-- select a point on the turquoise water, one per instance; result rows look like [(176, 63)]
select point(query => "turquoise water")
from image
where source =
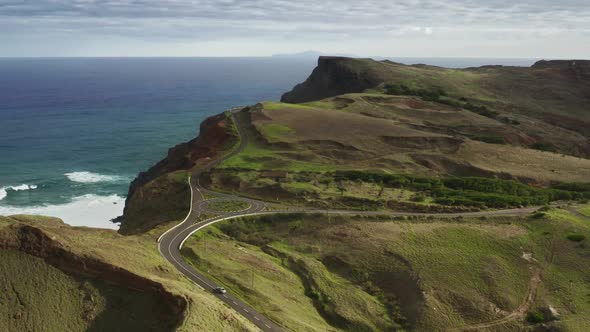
[(75, 132)]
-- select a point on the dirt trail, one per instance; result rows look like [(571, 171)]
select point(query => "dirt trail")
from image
[(517, 313)]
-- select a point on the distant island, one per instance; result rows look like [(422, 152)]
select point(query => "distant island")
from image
[(305, 55)]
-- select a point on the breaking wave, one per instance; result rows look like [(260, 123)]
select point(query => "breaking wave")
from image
[(87, 210), (4, 190), (89, 177)]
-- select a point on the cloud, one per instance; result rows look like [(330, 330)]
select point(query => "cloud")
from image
[(301, 22)]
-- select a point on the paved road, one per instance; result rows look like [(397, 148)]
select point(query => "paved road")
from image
[(170, 243)]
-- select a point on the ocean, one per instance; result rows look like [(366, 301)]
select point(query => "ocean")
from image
[(75, 131)]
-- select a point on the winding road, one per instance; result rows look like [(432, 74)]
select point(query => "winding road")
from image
[(170, 243)]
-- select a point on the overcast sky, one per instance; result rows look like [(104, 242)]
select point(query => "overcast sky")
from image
[(412, 28)]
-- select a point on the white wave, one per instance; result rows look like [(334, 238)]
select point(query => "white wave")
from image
[(89, 177), (88, 210), (4, 190), (23, 187)]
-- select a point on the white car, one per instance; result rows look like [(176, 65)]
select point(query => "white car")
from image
[(220, 290)]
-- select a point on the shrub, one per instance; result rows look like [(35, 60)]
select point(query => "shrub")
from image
[(577, 187), (576, 237), (397, 89), (509, 121), (490, 139), (432, 94), (417, 198), (535, 317), (473, 191), (541, 146), (481, 110)]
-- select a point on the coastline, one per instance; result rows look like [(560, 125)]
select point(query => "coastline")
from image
[(87, 211)]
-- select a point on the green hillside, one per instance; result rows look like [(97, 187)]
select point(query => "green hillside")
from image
[(55, 277), (425, 274), (425, 123), (48, 299), (546, 101)]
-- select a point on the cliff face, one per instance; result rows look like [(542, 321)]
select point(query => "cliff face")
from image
[(335, 76), (339, 75), (213, 135), (570, 65), (575, 72), (161, 194)]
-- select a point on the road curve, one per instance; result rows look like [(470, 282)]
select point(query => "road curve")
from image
[(170, 243)]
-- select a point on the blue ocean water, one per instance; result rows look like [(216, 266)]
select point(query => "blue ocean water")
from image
[(75, 131)]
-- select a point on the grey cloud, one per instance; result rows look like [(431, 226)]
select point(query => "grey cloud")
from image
[(210, 20), (306, 10)]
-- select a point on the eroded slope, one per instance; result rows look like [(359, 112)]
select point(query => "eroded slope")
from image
[(93, 279)]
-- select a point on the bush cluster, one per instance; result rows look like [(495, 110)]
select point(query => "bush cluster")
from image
[(437, 94), (535, 317), (490, 139), (473, 191), (576, 237), (541, 146), (509, 121), (433, 94)]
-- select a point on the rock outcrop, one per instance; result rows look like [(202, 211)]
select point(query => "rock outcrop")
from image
[(155, 196), (335, 76)]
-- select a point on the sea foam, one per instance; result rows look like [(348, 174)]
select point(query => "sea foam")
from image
[(4, 190), (88, 210), (89, 177)]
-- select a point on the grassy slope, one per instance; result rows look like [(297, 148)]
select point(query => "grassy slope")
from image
[(585, 210), (139, 254), (47, 299), (419, 138), (554, 92), (316, 189), (50, 300), (354, 132), (161, 200), (552, 110), (276, 290), (445, 274), (565, 284)]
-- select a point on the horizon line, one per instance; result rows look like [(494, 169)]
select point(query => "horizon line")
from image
[(283, 57)]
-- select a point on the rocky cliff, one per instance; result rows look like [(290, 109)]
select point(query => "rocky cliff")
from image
[(339, 75), (162, 194), (335, 76)]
